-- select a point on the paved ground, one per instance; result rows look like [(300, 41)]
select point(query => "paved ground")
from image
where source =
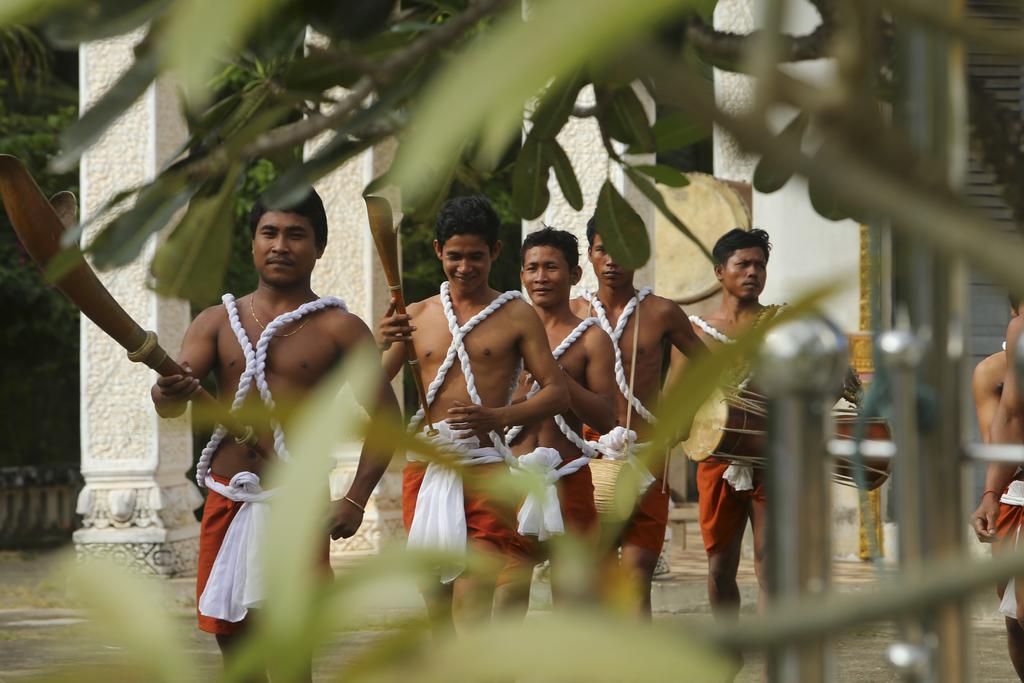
[(41, 633)]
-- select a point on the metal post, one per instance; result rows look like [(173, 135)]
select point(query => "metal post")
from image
[(802, 367), (902, 352)]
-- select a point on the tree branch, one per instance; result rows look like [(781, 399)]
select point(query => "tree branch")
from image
[(725, 47), (293, 134)]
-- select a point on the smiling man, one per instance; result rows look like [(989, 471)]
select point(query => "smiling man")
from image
[(273, 345), (472, 342), (550, 267)]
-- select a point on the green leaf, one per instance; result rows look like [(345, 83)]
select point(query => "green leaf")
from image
[(651, 192), (770, 176), (621, 229), (495, 76), (565, 175), (530, 178), (191, 263), (98, 118), (28, 11), (123, 239), (197, 36), (88, 21), (291, 185), (317, 72), (677, 130), (624, 118), (556, 107), (342, 147), (666, 175)]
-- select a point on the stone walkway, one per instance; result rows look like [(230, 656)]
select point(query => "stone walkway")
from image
[(40, 635)]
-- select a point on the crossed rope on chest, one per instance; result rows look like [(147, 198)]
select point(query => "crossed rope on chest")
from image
[(589, 449), (256, 372), (616, 334), (457, 350)]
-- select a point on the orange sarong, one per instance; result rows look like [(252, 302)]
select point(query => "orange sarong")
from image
[(489, 520), (576, 499), (723, 510), (647, 526), (218, 512)]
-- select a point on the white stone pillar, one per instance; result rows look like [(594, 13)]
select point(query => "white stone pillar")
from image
[(137, 505), (807, 249), (350, 269), (581, 139)]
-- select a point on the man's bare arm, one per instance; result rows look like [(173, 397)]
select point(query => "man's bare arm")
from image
[(984, 382), (595, 403), (1007, 427), (553, 397), (197, 356), (375, 455), (680, 330), (393, 330)]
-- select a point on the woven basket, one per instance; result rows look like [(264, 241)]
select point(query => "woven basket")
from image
[(605, 474)]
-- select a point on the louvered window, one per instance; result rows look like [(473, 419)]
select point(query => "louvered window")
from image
[(1001, 76)]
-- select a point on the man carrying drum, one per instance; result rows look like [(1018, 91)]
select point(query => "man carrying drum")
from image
[(731, 493)]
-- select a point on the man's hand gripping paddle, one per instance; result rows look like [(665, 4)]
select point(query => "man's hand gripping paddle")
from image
[(39, 225), (385, 237)]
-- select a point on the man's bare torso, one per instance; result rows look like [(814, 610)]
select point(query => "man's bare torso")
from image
[(574, 363), (493, 348), (652, 346), (294, 366)]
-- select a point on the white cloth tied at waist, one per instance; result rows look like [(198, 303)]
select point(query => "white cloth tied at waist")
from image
[(1014, 496), (541, 515), (236, 580), (620, 444), (739, 476), (439, 522)]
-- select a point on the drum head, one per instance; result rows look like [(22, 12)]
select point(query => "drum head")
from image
[(709, 208), (706, 433)]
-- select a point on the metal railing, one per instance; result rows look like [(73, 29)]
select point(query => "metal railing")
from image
[(799, 367)]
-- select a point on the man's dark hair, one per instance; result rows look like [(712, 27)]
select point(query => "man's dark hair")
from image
[(310, 207), (468, 216), (737, 239), (591, 230), (1015, 301), (553, 237)]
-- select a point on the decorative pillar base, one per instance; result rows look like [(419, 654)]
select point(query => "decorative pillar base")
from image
[(141, 525)]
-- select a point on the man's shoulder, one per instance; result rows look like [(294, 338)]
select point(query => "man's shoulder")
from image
[(990, 371), (211, 318), (596, 339), (340, 320)]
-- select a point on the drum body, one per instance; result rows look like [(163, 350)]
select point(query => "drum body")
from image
[(732, 425)]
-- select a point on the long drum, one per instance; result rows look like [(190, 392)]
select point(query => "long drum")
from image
[(731, 425)]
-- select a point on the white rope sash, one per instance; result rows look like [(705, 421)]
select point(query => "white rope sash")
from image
[(439, 521), (255, 370), (1014, 496), (739, 475), (236, 581), (616, 334), (710, 330), (541, 515)]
